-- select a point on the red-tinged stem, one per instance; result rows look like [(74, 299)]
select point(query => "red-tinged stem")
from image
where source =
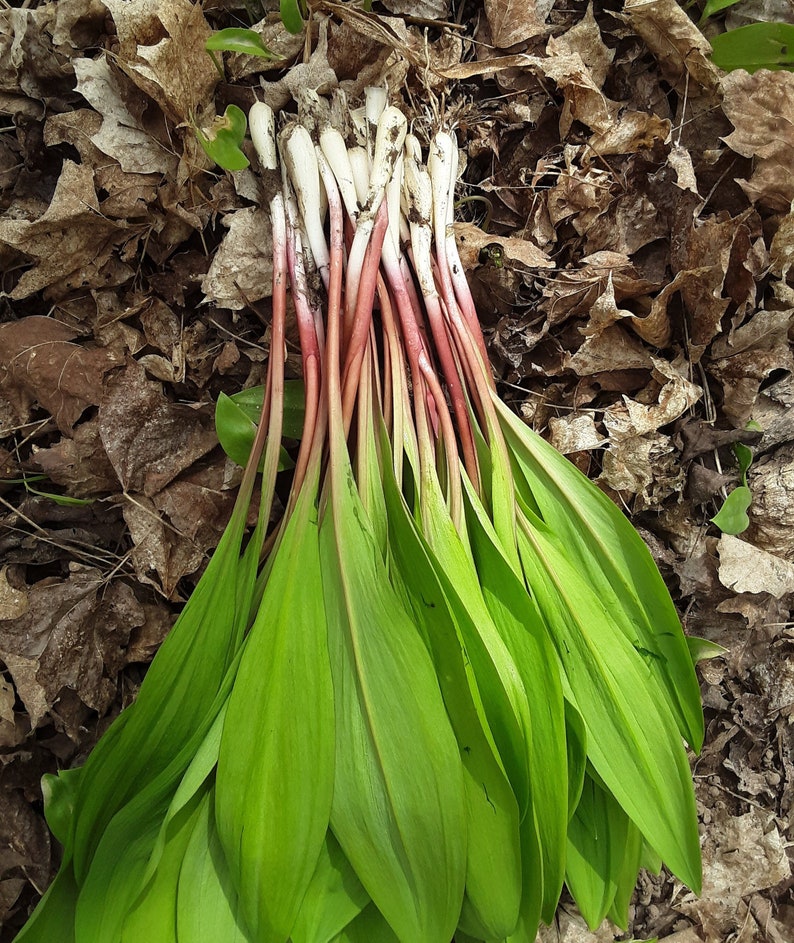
[(334, 326), (365, 296), (311, 355), (278, 352)]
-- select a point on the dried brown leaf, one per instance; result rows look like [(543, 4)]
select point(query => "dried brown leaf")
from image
[(40, 363), (242, 268), (148, 439), (71, 635), (745, 568), (24, 848), (123, 134), (514, 21), (71, 244), (742, 854), (79, 463), (680, 48), (761, 108), (585, 39), (162, 51)]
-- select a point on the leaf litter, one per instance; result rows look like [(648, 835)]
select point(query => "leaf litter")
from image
[(641, 301)]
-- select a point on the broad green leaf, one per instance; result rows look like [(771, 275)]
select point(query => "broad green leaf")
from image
[(207, 907), (275, 777), (60, 795), (222, 139), (702, 648), (753, 47), (236, 419), (291, 15), (606, 550), (597, 837), (716, 6), (501, 689), (153, 916), (732, 517), (245, 41), (177, 697), (335, 897), (519, 622), (626, 878), (368, 927), (532, 899), (576, 744), (493, 870), (398, 807), (632, 740), (53, 918)]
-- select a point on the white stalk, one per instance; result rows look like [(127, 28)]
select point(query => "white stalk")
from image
[(262, 124), (392, 129), (297, 150), (361, 167), (334, 149)]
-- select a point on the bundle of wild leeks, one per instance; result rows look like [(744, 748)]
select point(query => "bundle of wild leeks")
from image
[(449, 681)]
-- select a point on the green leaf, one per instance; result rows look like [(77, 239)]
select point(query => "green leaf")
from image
[(246, 41), (177, 699), (60, 796), (398, 807), (519, 623), (334, 897), (744, 459), (221, 141), (275, 780), (53, 918), (368, 927), (716, 6), (236, 418), (597, 837), (291, 15), (493, 871), (732, 517), (626, 878), (702, 649), (753, 47), (632, 739), (207, 906), (607, 551)]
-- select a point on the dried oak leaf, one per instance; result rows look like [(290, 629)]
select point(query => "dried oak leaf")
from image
[(744, 358), (71, 244), (40, 363), (771, 483), (514, 21), (174, 530), (638, 454), (24, 848), (162, 51), (79, 463), (761, 108), (745, 568), (679, 47), (148, 439), (71, 635), (123, 134), (741, 854), (585, 39), (28, 61), (242, 268)]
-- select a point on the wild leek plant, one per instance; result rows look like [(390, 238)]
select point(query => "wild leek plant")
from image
[(448, 681)]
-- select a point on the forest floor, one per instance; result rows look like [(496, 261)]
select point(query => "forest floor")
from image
[(626, 219)]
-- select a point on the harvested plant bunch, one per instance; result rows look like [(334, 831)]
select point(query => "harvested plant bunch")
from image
[(449, 681)]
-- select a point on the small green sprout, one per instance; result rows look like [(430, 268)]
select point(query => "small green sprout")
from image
[(732, 516), (222, 140)]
